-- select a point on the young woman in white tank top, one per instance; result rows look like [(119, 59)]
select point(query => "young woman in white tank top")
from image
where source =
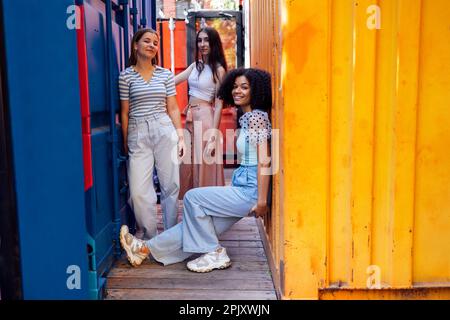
[(202, 164)]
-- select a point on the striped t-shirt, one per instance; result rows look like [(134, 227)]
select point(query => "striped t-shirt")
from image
[(146, 97)]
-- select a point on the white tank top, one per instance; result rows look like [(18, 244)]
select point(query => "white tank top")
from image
[(203, 86)]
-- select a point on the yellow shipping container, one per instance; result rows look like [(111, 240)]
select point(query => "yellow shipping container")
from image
[(361, 204)]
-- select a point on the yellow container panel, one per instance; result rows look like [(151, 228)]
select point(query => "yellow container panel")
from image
[(362, 101), (431, 250)]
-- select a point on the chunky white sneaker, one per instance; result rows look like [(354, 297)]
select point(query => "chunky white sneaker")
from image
[(209, 261), (135, 248)]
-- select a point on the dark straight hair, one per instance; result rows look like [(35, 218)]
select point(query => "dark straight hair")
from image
[(216, 53), (137, 36)]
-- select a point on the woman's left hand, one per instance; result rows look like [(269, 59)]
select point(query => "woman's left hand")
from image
[(211, 146), (260, 210)]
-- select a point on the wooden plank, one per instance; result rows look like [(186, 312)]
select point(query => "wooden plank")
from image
[(189, 283), (242, 224), (246, 243), (270, 260), (248, 221), (243, 229), (238, 236), (246, 251), (235, 228), (237, 231), (236, 265), (188, 294), (244, 257), (241, 232), (244, 254), (182, 274)]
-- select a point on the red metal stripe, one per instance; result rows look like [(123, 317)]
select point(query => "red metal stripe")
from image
[(84, 98)]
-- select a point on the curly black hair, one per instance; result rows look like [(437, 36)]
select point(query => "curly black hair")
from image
[(260, 88)]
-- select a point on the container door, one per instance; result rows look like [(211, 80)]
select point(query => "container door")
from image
[(108, 28), (104, 201), (230, 28)]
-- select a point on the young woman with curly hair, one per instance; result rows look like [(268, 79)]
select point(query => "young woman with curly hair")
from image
[(210, 211)]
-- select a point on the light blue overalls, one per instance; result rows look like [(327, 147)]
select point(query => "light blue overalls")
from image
[(210, 211)]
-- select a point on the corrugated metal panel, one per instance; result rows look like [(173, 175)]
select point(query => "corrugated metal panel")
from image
[(364, 118), (265, 50)]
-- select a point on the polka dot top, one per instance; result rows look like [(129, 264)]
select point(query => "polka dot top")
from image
[(255, 129)]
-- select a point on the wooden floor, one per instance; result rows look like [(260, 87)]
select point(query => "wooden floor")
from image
[(248, 278)]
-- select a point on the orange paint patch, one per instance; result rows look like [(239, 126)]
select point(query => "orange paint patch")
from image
[(298, 42)]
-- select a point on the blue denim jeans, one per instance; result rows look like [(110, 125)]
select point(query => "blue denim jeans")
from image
[(208, 212)]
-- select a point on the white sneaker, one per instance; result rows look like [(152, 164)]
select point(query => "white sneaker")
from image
[(209, 261), (135, 248)]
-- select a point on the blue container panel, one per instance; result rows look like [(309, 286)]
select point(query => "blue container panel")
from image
[(96, 52), (97, 62), (101, 213), (44, 104)]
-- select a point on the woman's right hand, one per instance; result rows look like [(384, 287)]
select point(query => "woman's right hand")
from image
[(125, 148), (181, 147)]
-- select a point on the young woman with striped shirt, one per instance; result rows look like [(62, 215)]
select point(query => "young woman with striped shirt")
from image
[(152, 132)]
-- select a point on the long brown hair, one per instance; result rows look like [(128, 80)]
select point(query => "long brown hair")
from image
[(216, 53), (137, 36)]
